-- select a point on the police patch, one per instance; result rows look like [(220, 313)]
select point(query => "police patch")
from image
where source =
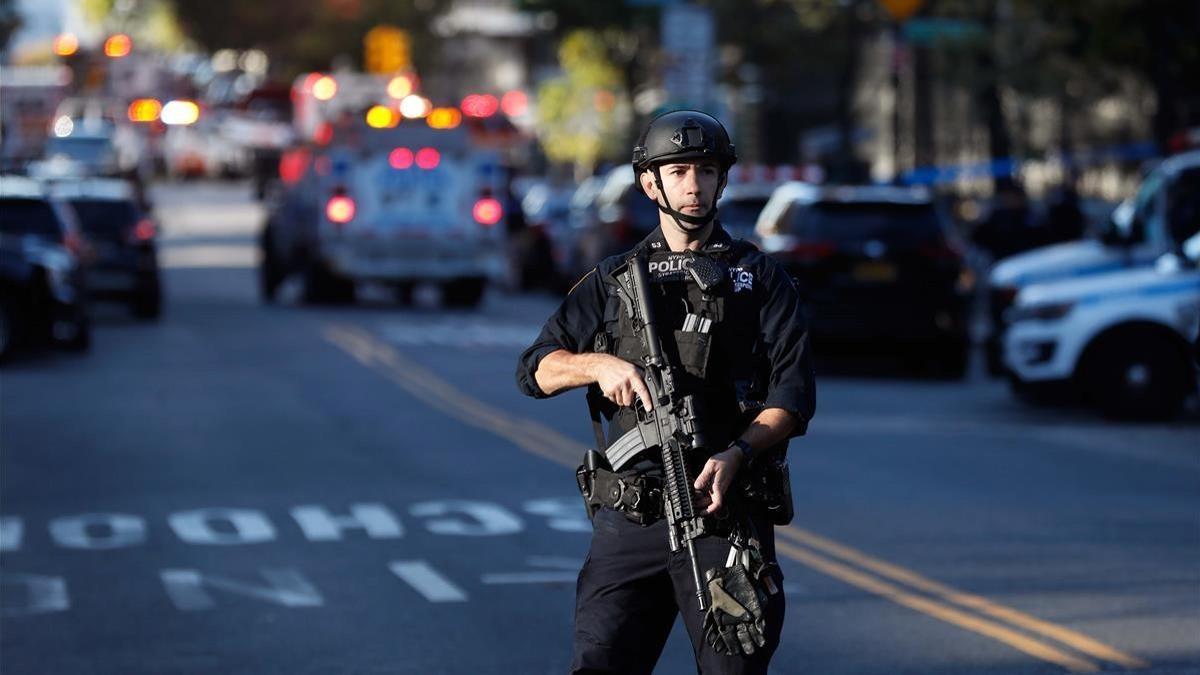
[(667, 267), (742, 278)]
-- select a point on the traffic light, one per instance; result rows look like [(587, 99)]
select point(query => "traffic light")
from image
[(386, 50)]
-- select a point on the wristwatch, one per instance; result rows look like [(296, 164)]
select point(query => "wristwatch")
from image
[(747, 451)]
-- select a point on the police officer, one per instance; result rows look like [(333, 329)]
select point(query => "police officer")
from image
[(743, 352)]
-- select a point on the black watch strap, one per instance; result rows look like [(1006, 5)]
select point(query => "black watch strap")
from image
[(747, 451)]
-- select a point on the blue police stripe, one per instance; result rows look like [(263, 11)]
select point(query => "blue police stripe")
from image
[(1177, 287)]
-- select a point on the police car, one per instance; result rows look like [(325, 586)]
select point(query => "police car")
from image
[(1139, 231), (401, 206), (1122, 340)]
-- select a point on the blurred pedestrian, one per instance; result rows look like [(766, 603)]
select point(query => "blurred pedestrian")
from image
[(739, 344), (1064, 218), (1009, 228)]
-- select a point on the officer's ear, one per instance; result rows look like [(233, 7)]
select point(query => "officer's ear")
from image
[(721, 185), (648, 185)]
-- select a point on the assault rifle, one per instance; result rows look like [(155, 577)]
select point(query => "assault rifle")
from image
[(671, 423)]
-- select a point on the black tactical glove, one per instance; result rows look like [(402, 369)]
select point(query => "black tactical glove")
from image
[(734, 623)]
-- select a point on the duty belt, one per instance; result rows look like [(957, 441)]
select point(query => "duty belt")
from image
[(639, 497)]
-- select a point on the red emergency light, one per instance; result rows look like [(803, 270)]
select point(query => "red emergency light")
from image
[(487, 211), (480, 105), (400, 158), (428, 158)]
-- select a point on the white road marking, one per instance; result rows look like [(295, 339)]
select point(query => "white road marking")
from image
[(120, 530), (569, 572), (430, 583), (288, 587), (197, 527), (43, 594), (12, 531), (320, 524), (564, 514), (490, 519)]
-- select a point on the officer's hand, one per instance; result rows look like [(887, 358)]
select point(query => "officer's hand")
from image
[(716, 478), (620, 380)]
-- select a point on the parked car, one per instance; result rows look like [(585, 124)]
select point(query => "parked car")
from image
[(1139, 231), (581, 217), (739, 206), (42, 293), (538, 254), (623, 216), (124, 260), (875, 265), (1123, 341)]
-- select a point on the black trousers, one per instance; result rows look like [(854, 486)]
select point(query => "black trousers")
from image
[(632, 587)]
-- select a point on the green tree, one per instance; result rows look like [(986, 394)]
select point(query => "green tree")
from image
[(579, 111), (304, 36)]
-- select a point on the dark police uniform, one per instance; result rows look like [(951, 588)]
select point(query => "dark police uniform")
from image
[(631, 586)]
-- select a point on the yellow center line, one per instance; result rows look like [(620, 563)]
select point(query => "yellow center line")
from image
[(938, 610), (422, 384), (544, 442), (1064, 635)]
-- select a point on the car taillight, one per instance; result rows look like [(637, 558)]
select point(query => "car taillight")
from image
[(340, 209), (488, 211), (813, 250), (144, 231), (76, 244)]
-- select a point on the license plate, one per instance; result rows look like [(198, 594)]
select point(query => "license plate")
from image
[(876, 272), (109, 281)]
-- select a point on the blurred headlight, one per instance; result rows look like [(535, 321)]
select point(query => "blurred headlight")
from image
[(1045, 312), (180, 113)]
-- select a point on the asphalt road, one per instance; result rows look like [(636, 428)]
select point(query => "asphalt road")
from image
[(242, 488)]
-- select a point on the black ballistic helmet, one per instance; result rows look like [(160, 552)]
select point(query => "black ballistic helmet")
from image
[(682, 135)]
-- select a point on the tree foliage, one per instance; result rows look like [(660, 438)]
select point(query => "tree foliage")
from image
[(578, 110), (303, 36)]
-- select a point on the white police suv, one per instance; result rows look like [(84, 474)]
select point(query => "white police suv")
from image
[(1123, 340), (1140, 230)]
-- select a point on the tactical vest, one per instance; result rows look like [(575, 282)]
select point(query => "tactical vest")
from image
[(714, 344)]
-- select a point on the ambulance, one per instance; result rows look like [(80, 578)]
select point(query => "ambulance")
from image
[(376, 197)]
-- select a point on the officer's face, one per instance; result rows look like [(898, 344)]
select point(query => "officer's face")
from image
[(689, 186)]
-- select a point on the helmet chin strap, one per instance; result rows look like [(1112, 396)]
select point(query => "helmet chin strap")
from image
[(694, 223)]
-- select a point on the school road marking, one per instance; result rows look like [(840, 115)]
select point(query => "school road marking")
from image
[(1038, 638)]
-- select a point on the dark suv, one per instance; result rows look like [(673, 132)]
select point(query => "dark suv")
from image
[(42, 295), (623, 217), (876, 265), (124, 264)]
